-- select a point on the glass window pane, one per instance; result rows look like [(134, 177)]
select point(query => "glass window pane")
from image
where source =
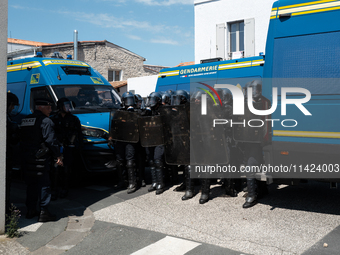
[(19, 89), (110, 75), (233, 42), (88, 95), (40, 92), (241, 26), (241, 41), (117, 75), (233, 27)]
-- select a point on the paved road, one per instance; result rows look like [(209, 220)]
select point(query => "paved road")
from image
[(99, 219)]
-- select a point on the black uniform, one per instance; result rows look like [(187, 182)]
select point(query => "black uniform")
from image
[(38, 144), (156, 157), (181, 97), (254, 155), (69, 135), (126, 152), (12, 137)]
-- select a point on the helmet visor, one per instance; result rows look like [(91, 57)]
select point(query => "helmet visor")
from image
[(177, 100), (129, 101), (152, 102)]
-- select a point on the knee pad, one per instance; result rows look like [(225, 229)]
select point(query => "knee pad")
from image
[(130, 163), (159, 163)]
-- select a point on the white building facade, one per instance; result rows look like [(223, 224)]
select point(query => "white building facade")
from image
[(230, 29), (142, 85)]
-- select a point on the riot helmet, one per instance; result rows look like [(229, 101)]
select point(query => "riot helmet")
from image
[(256, 85), (128, 100), (12, 103), (166, 98), (179, 97), (154, 100), (171, 92), (139, 101), (64, 105)]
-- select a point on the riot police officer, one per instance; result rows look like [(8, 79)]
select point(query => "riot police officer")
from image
[(166, 98), (140, 104), (156, 153), (231, 185), (195, 141), (12, 138), (126, 151), (140, 151), (68, 132), (253, 155), (39, 144), (181, 97)]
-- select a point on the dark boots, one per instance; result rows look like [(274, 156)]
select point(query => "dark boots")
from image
[(159, 175), (130, 165), (190, 188), (46, 216), (251, 198), (181, 187), (153, 176), (121, 174), (205, 191), (230, 187)]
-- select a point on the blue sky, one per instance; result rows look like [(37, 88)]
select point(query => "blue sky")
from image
[(162, 31)]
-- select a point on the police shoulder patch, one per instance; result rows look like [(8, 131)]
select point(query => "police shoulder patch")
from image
[(28, 122)]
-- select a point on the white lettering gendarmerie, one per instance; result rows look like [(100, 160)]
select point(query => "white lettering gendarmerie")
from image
[(28, 122), (199, 69)]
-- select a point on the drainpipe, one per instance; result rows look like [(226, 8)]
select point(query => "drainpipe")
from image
[(75, 45)]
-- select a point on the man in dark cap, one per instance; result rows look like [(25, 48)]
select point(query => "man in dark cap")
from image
[(39, 145)]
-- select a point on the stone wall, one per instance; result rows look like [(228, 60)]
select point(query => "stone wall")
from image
[(104, 57)]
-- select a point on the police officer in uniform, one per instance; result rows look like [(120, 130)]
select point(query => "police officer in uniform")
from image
[(180, 97), (68, 132), (231, 185), (140, 104), (39, 145), (12, 138), (156, 154), (166, 98), (205, 182), (140, 151), (126, 151), (172, 170), (254, 156)]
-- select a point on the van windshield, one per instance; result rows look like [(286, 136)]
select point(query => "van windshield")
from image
[(88, 96)]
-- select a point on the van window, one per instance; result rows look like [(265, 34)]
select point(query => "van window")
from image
[(19, 89), (88, 95), (40, 92)]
